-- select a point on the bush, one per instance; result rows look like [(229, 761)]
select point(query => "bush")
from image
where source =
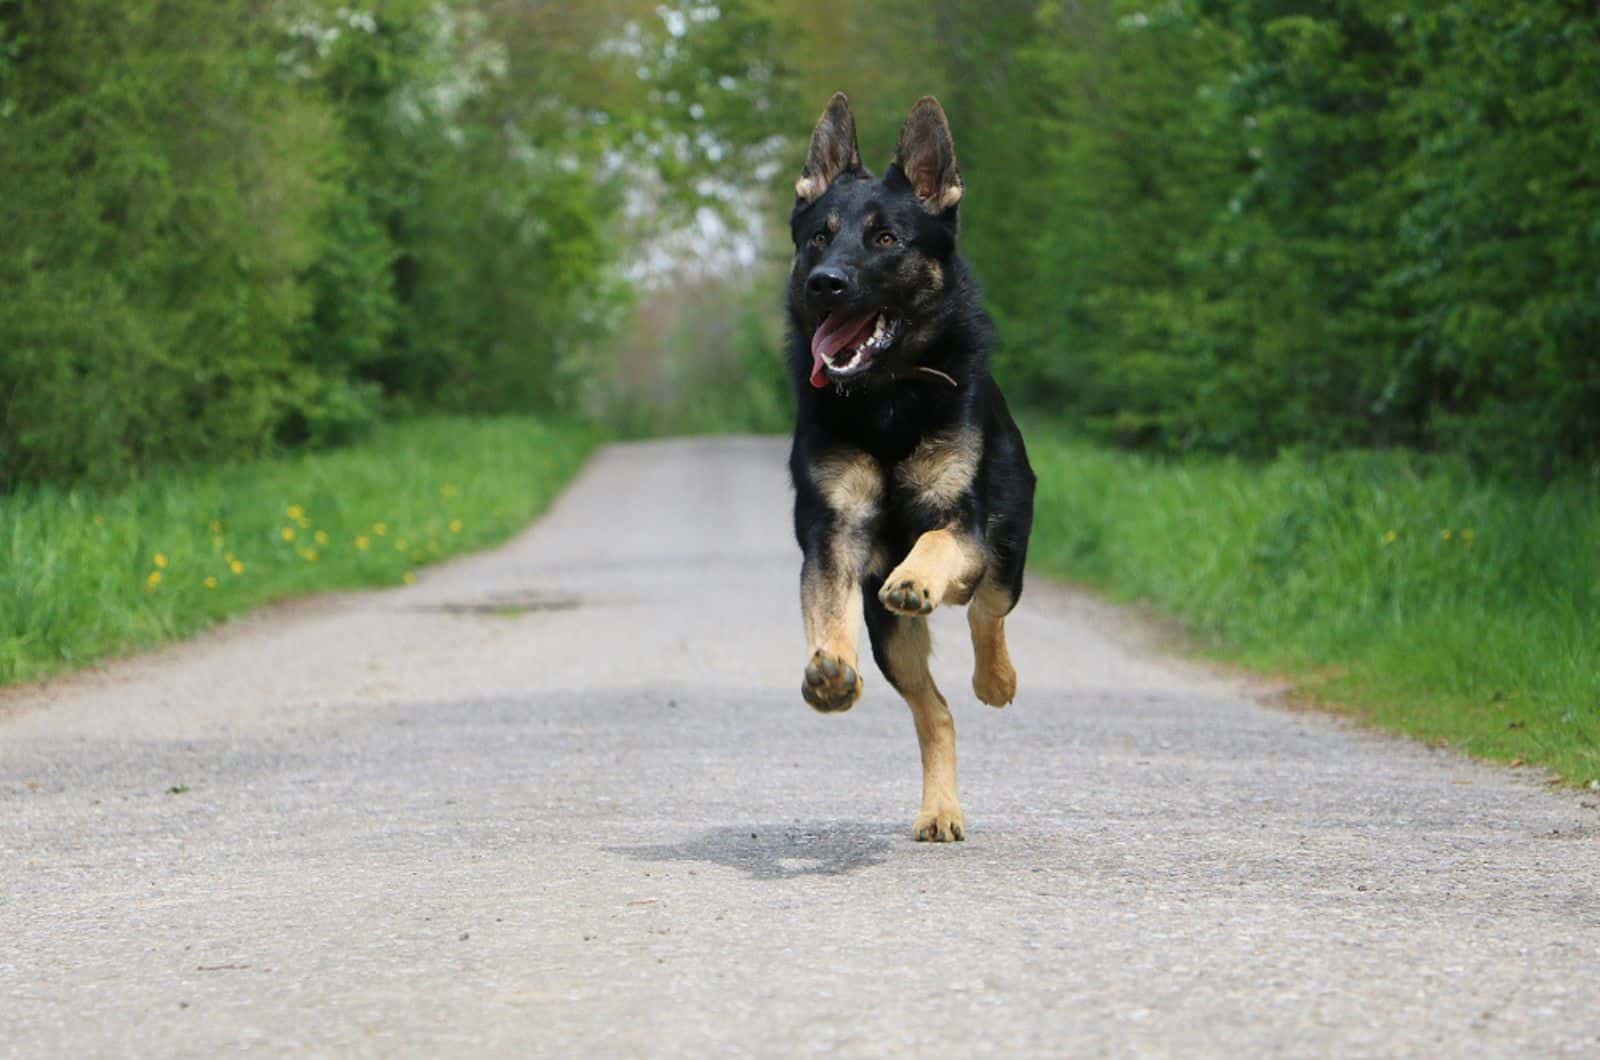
[(161, 181)]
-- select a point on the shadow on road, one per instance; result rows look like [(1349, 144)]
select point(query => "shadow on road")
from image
[(780, 851)]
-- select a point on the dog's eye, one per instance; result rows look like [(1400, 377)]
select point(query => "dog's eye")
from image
[(820, 239), (887, 239)]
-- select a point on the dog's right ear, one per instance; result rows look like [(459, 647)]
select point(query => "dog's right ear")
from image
[(833, 150)]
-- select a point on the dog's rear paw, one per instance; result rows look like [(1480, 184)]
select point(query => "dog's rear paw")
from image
[(906, 595), (995, 684), (940, 823), (831, 684)]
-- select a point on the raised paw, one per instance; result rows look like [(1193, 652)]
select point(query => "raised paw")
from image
[(831, 684), (996, 683), (906, 595), (940, 823)]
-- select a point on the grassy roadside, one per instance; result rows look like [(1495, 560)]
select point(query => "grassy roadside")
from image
[(1428, 601), (85, 575)]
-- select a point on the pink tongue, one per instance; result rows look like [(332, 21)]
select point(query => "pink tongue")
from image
[(835, 334)]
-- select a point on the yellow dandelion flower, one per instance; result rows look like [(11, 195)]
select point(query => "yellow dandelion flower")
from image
[(160, 560), (1389, 536), (211, 583), (362, 542), (380, 528), (296, 512), (1444, 535), (216, 526), (321, 537), (410, 578), (236, 566), (288, 533), (305, 524), (309, 555), (154, 579), (455, 526)]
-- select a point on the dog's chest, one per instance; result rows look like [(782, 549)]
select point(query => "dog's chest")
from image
[(929, 485)]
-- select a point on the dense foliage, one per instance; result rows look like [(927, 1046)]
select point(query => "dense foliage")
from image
[(1245, 224), (1224, 225), (235, 225)]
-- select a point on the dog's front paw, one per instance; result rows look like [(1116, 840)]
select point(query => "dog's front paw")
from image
[(831, 684), (939, 822), (905, 593)]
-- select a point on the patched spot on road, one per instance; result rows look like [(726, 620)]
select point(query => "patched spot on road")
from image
[(509, 605)]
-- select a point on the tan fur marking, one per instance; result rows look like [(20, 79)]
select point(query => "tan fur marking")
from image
[(940, 818), (851, 483), (877, 560), (833, 224), (940, 469), (927, 277), (907, 651), (832, 610), (994, 678)]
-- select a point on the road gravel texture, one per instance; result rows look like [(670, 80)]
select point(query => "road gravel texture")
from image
[(563, 799)]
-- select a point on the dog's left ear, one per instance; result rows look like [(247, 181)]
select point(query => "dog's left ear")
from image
[(926, 157), (833, 150)]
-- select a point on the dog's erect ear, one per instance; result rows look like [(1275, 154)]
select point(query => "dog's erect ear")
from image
[(926, 155), (833, 150)]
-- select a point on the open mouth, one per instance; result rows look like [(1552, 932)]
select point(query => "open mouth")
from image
[(843, 347)]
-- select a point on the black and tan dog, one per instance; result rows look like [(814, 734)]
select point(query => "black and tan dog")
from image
[(912, 486)]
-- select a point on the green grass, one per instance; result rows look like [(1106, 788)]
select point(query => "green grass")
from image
[(85, 574), (1430, 601)]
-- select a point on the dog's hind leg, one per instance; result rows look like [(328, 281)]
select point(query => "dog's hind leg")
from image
[(994, 679), (901, 646)]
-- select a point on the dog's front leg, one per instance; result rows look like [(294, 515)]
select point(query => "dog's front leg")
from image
[(838, 511), (935, 497), (943, 567)]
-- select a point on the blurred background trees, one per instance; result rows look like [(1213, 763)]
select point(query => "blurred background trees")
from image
[(1203, 225), (233, 226)]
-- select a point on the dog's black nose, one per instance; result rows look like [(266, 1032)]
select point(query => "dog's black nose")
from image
[(828, 284)]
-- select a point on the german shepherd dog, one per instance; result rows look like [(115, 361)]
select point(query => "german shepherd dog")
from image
[(912, 485)]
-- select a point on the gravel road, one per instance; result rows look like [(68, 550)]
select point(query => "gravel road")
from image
[(564, 799)]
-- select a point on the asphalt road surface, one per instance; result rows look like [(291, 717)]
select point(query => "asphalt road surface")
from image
[(564, 799)]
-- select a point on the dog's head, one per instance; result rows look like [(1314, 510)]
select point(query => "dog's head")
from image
[(874, 259)]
